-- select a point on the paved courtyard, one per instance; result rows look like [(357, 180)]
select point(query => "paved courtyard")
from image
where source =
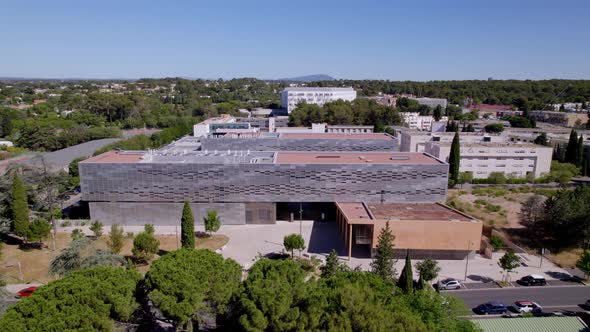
[(246, 242)]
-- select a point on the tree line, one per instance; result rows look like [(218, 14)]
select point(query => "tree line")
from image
[(532, 95), (199, 289)]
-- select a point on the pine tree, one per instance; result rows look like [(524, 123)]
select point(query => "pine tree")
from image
[(580, 153), (406, 278), (437, 114), (19, 208), (383, 263), (187, 225), (332, 265), (454, 159), (212, 222), (571, 150)]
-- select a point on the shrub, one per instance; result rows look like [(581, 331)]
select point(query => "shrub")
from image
[(96, 228), (497, 242)]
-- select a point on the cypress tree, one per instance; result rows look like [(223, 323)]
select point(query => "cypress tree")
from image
[(187, 225), (571, 150), (332, 265), (383, 262), (454, 159), (406, 278), (19, 207), (580, 153)]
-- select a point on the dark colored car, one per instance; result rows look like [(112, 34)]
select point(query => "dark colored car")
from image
[(491, 308), (532, 280), (26, 292)]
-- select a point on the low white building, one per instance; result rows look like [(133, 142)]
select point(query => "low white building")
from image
[(415, 141), (6, 143), (292, 96), (414, 120), (481, 159), (221, 125)]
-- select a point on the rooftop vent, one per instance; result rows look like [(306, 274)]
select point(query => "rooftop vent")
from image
[(325, 157), (400, 158)]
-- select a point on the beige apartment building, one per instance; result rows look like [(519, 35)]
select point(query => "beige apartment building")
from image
[(481, 159), (566, 119), (415, 141)]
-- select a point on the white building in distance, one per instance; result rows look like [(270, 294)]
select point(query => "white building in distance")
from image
[(290, 97), (414, 120)]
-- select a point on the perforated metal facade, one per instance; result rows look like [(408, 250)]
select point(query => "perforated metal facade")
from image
[(293, 144), (138, 185)]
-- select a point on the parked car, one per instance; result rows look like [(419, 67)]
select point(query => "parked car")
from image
[(527, 306), (533, 280), (26, 292), (448, 284), (491, 308)]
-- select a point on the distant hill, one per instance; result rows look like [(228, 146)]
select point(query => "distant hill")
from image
[(308, 78)]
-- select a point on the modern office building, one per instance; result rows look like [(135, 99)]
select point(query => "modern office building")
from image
[(481, 159), (250, 177), (290, 97), (135, 187)]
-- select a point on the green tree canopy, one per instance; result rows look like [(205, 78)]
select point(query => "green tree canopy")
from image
[(428, 269), (190, 285), (292, 242), (212, 222), (80, 254), (116, 238), (145, 244), (406, 278), (509, 262), (583, 262), (454, 159), (272, 297), (87, 300), (19, 208), (383, 263), (332, 266), (187, 227)]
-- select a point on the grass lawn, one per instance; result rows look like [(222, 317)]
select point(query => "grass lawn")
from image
[(35, 262), (566, 258)]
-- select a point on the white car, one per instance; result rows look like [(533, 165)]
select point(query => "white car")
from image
[(449, 284), (527, 306)]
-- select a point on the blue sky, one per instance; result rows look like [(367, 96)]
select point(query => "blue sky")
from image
[(424, 40)]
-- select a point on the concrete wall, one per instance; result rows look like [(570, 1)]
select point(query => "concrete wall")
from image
[(432, 235), (163, 214), (289, 144)]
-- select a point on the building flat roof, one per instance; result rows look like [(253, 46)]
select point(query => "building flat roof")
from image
[(512, 145), (115, 156), (415, 211), (375, 158), (187, 156), (380, 136), (401, 211)]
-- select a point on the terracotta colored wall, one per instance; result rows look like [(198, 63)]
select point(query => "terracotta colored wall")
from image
[(437, 235)]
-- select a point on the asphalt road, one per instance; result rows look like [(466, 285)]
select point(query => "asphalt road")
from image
[(550, 298)]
